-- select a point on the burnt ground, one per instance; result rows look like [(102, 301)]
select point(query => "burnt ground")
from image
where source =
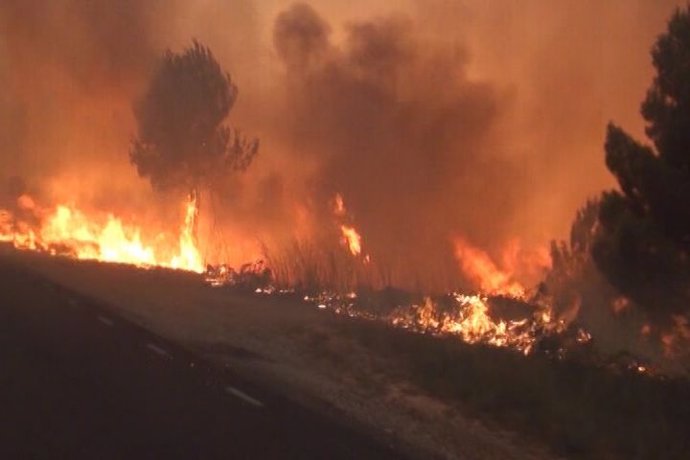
[(78, 381)]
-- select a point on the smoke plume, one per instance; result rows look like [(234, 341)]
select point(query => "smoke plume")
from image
[(434, 120), (398, 129)]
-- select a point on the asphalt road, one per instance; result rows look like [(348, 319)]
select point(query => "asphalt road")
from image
[(77, 382)]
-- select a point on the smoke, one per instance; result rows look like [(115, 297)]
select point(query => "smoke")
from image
[(434, 119), (398, 129), (68, 70)]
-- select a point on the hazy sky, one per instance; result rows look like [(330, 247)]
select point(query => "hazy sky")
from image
[(435, 117)]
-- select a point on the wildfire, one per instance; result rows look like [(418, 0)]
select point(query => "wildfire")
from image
[(467, 317), (338, 205), (67, 230), (479, 267), (352, 239), (189, 257)]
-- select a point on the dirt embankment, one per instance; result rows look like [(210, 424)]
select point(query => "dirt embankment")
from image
[(308, 354)]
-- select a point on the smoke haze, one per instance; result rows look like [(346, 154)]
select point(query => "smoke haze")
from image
[(434, 119)]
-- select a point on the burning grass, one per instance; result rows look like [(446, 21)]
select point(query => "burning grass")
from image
[(580, 404), (581, 409), (66, 230), (471, 318), (504, 354)]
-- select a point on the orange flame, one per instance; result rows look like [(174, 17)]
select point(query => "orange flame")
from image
[(468, 318), (338, 205), (352, 239), (67, 230), (350, 236), (479, 267), (189, 257)]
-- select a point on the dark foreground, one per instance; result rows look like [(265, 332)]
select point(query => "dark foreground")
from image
[(77, 382)]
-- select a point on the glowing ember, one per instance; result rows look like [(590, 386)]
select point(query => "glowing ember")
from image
[(68, 231), (467, 317), (619, 304), (675, 339)]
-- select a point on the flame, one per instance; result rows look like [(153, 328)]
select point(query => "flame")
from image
[(352, 239), (469, 319), (350, 236), (189, 257), (69, 231), (479, 267)]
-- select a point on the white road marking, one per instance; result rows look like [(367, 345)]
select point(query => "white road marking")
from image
[(156, 349), (106, 321), (243, 396)]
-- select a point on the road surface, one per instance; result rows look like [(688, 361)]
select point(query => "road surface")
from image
[(77, 382)]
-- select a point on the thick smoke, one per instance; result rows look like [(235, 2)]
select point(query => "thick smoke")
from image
[(433, 119), (402, 133), (68, 70)]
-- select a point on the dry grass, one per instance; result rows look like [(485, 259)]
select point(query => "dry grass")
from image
[(579, 410), (309, 268)]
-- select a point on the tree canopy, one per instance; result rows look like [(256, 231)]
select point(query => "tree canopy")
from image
[(642, 243), (182, 140)]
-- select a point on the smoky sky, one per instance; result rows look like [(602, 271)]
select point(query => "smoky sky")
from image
[(93, 41), (432, 118), (68, 68), (400, 131)]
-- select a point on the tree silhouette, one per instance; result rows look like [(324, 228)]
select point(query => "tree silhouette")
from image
[(181, 140), (642, 244)]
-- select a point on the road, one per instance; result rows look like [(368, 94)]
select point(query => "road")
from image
[(77, 382)]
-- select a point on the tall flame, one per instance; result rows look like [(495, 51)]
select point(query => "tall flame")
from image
[(189, 257), (350, 236), (467, 317), (352, 239), (68, 230), (479, 267)]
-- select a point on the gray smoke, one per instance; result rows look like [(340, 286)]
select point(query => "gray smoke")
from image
[(400, 130)]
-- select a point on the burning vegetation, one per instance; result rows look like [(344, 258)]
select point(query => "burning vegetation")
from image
[(67, 231), (391, 188), (388, 133)]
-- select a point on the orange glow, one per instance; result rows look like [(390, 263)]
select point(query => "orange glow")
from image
[(189, 257), (468, 318), (620, 304), (67, 230), (338, 205), (478, 266), (352, 239), (677, 338)]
